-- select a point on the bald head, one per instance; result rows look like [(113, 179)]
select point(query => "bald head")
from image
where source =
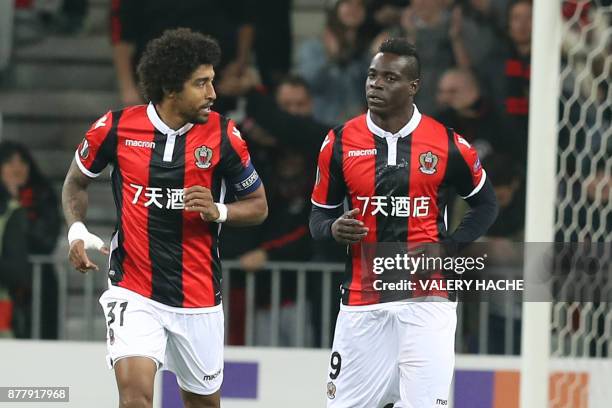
[(457, 89)]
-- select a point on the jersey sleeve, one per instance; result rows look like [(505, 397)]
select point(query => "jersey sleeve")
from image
[(329, 189), (466, 172), (236, 165), (97, 149)]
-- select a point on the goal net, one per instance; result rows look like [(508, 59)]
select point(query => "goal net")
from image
[(581, 327)]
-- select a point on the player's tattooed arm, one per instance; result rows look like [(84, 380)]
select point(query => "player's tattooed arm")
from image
[(74, 203), (74, 195)]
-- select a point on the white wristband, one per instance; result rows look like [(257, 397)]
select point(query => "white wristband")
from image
[(78, 230), (222, 212)]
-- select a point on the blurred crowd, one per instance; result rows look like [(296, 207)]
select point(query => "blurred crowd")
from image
[(30, 223), (286, 95)]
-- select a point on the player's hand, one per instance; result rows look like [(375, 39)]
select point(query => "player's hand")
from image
[(347, 229), (200, 199), (79, 259)]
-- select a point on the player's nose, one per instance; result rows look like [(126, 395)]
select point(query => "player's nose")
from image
[(211, 95), (375, 83)]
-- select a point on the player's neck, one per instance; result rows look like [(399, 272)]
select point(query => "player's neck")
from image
[(170, 116), (393, 122)]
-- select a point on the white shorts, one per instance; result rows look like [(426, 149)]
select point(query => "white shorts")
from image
[(188, 344), (402, 354)]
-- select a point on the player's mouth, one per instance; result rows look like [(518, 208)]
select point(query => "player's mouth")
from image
[(205, 110), (375, 99)]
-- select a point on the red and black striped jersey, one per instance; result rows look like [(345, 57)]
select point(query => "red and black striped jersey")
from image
[(401, 183), (158, 250)]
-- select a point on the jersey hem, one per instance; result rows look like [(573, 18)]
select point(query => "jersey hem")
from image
[(130, 294), (391, 305)]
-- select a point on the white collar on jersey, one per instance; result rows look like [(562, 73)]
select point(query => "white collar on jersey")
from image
[(161, 126), (405, 131)]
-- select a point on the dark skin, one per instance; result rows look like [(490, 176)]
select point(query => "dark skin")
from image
[(390, 88), (135, 375)]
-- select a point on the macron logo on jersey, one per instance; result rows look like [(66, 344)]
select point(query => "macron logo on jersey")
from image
[(140, 143), (359, 153)]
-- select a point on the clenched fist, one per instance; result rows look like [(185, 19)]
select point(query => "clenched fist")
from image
[(200, 199)]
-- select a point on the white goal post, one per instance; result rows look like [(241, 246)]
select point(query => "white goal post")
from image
[(541, 192), (569, 196)]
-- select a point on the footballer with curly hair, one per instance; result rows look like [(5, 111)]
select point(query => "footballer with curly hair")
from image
[(173, 163)]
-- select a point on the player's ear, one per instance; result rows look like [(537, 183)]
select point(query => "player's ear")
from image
[(169, 94), (414, 86)]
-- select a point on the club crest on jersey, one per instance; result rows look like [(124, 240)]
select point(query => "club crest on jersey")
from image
[(428, 161), (331, 390), (84, 149), (203, 157)]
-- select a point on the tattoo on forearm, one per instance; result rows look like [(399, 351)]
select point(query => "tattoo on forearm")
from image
[(74, 197)]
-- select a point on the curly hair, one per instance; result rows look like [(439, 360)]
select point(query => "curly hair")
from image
[(168, 61)]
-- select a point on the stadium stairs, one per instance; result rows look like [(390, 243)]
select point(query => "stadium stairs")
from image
[(55, 87)]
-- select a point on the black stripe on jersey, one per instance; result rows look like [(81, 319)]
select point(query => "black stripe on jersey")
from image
[(230, 161), (165, 226), (391, 181), (108, 149), (383, 184), (445, 189), (336, 168), (402, 185), (217, 182), (118, 255), (459, 173), (215, 263)]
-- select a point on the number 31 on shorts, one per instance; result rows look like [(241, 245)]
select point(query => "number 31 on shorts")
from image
[(112, 317)]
